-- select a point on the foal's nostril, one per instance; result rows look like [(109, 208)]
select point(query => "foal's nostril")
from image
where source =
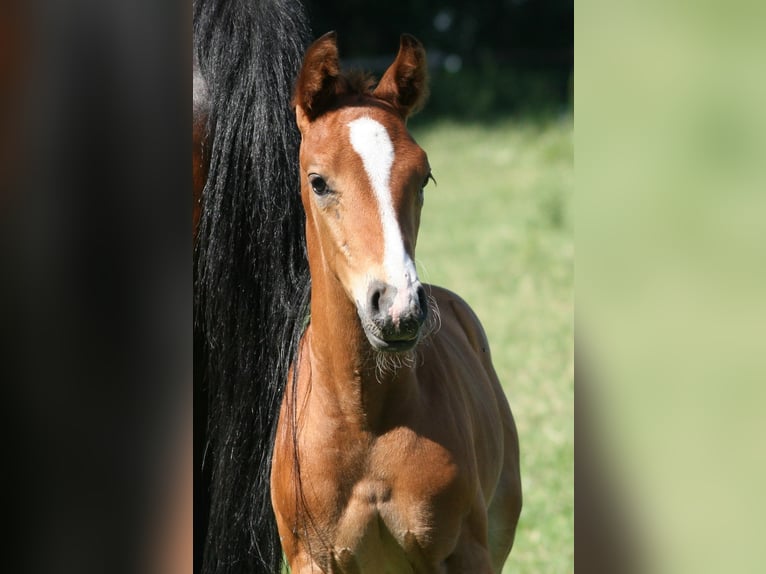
[(409, 314), (422, 301), (375, 302), (379, 299)]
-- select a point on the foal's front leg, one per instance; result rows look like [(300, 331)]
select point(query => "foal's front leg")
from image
[(471, 555), (469, 558), (339, 562), (302, 563)]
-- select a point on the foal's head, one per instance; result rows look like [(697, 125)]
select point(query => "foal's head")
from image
[(362, 179)]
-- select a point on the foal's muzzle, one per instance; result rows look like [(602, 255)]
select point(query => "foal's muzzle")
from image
[(392, 320)]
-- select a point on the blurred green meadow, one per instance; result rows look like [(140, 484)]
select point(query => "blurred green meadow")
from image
[(497, 229)]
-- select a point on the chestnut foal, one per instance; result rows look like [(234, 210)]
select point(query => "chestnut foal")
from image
[(396, 450)]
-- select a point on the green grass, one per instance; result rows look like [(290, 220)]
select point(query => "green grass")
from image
[(497, 229)]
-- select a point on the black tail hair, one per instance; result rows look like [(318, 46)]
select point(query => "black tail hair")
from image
[(251, 272)]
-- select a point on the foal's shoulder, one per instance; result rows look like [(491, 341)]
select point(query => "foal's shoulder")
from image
[(456, 314)]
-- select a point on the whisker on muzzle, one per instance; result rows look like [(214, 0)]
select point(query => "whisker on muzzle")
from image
[(389, 363)]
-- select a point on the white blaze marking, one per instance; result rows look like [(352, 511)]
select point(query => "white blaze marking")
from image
[(373, 144)]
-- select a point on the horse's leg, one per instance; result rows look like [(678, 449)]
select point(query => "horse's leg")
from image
[(470, 557), (301, 563)]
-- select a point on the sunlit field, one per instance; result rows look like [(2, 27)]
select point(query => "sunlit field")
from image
[(497, 229)]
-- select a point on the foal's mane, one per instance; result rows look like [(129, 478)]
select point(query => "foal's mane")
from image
[(322, 85), (352, 87), (358, 82)]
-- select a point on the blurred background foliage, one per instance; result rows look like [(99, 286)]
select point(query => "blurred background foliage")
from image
[(486, 57)]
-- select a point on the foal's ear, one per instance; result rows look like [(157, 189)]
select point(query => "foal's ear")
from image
[(405, 83), (318, 79)]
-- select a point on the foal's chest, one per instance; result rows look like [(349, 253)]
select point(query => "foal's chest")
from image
[(396, 506)]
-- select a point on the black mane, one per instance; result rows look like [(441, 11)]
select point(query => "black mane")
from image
[(250, 268)]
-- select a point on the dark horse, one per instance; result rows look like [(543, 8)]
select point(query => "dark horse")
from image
[(250, 268), (396, 450)]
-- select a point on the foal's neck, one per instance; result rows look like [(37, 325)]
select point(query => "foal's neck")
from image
[(343, 364)]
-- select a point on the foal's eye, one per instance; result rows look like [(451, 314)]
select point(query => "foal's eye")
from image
[(318, 184)]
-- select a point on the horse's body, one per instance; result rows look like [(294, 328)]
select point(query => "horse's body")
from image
[(408, 468), (377, 431), (416, 473)]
